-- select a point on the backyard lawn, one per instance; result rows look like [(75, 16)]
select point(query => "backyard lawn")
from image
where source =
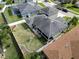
[(8, 46), (10, 17), (26, 39), (10, 52)]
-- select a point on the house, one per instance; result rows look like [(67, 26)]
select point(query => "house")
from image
[(22, 1), (48, 28), (42, 20), (26, 9), (31, 8), (65, 47), (51, 12), (77, 4), (16, 9), (45, 22)]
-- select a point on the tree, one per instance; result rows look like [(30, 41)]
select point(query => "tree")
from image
[(9, 1), (74, 21), (4, 30)]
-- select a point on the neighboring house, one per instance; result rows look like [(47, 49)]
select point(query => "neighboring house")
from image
[(22, 1), (65, 47), (26, 9), (77, 4), (48, 28)]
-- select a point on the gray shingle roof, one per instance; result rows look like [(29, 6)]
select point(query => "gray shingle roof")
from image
[(28, 7), (21, 7), (50, 10), (48, 27)]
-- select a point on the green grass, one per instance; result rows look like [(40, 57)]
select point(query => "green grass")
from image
[(27, 38), (35, 55), (76, 10), (67, 5), (72, 7), (42, 5), (49, 1), (10, 52), (66, 18), (1, 6), (11, 18), (8, 1), (1, 19)]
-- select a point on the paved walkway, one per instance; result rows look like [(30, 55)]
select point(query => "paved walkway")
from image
[(18, 22)]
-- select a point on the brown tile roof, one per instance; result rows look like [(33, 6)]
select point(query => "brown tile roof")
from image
[(65, 47)]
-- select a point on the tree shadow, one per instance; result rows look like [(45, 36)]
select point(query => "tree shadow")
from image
[(1, 47)]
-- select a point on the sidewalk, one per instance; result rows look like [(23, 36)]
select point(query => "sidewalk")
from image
[(16, 23)]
